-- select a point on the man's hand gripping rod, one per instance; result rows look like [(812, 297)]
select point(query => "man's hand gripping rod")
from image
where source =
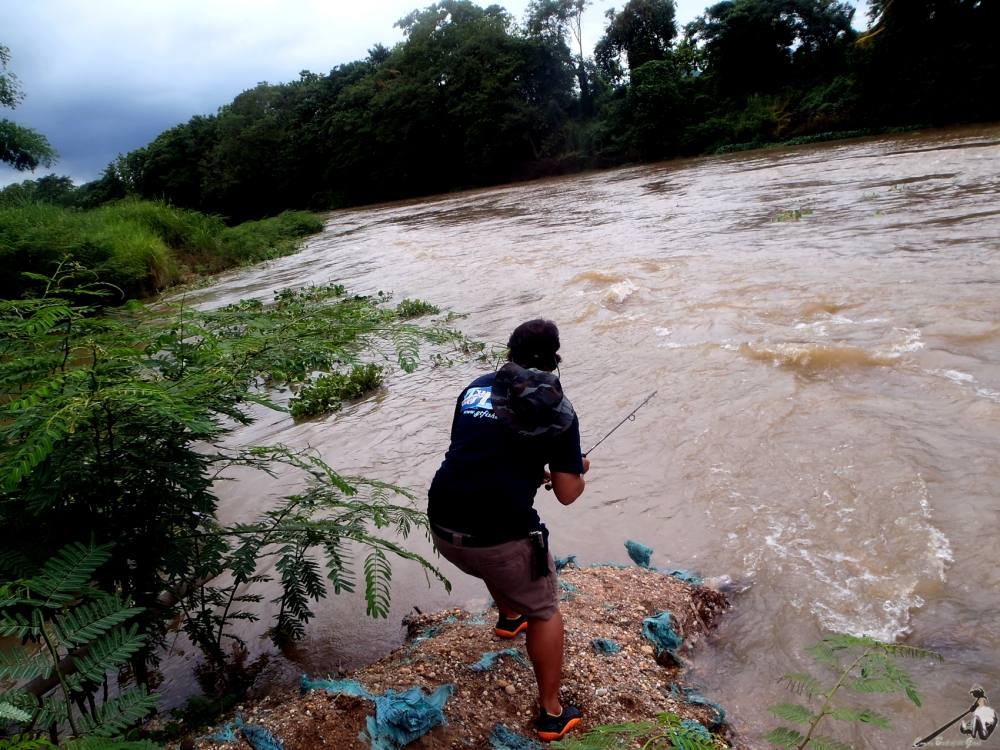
[(630, 417)]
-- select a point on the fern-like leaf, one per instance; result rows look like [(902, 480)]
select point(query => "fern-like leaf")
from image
[(109, 652), (18, 626), (64, 575), (10, 712), (378, 574), (89, 621), (26, 742), (784, 737), (16, 664), (792, 712), (865, 716), (802, 683), (117, 715), (873, 685), (104, 743)]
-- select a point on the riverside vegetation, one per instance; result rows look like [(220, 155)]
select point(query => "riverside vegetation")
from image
[(111, 428)]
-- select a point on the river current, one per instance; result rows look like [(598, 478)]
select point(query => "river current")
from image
[(822, 325)]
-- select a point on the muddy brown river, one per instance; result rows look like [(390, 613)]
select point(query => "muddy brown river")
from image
[(822, 325)]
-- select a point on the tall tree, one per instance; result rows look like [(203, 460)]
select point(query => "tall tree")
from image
[(761, 46), (643, 31), (554, 20), (21, 147)]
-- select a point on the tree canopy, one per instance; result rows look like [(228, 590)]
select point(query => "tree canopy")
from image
[(20, 147)]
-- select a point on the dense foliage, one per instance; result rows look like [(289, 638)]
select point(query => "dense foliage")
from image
[(112, 427), (473, 97), (140, 247)]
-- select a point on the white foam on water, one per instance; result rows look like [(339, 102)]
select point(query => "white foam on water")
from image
[(662, 331), (617, 293), (846, 568), (912, 342), (965, 379)]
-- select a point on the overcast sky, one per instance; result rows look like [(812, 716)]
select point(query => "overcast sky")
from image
[(103, 77)]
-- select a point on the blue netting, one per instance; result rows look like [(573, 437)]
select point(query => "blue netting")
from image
[(639, 553), (605, 646), (490, 659), (352, 688), (400, 718), (479, 619), (691, 695), (562, 562), (226, 734), (502, 738), (697, 727), (258, 737), (687, 576), (659, 630)]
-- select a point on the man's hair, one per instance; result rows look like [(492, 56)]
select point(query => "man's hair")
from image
[(534, 344)]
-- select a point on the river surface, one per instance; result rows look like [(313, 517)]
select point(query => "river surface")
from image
[(822, 325)]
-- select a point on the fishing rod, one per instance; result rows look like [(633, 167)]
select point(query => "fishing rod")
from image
[(630, 417)]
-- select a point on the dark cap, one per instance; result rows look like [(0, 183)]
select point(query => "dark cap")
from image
[(534, 344)]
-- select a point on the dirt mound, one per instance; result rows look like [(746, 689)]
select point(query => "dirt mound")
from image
[(608, 603)]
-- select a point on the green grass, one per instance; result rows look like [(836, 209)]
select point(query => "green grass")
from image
[(142, 247)]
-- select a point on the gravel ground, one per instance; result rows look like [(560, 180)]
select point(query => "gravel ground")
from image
[(605, 602)]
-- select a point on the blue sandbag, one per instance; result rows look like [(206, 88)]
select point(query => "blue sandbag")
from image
[(696, 727), (659, 630), (401, 718), (687, 576), (605, 646), (691, 695), (639, 553), (502, 738), (490, 659), (561, 562), (352, 688)]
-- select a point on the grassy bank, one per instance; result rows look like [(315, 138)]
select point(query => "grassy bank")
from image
[(142, 247)]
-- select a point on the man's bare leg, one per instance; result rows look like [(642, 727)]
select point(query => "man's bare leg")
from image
[(545, 647)]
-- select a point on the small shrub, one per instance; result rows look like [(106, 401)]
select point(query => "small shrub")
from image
[(327, 393), (414, 308)]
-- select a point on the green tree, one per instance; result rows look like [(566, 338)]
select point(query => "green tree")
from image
[(21, 147), (111, 427), (761, 46), (554, 21), (644, 30)]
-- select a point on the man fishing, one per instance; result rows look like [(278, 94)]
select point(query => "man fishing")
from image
[(508, 425)]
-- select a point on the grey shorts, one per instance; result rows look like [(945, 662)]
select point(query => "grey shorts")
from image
[(506, 569)]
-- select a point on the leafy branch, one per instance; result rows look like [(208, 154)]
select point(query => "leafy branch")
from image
[(870, 668)]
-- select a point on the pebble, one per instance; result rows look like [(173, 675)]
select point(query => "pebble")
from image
[(647, 649), (510, 689), (601, 692)]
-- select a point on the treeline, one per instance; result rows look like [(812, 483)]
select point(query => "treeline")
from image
[(474, 97)]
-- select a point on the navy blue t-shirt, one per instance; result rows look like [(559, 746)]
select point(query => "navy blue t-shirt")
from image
[(486, 485)]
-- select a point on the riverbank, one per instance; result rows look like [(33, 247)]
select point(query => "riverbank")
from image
[(612, 671), (138, 247)]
